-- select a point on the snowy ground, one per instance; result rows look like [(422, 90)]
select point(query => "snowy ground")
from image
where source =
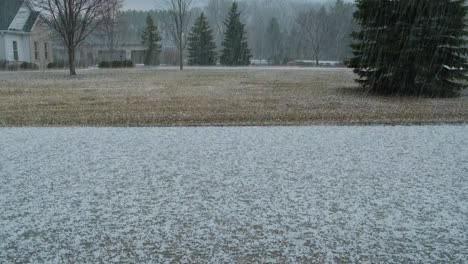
[(234, 195)]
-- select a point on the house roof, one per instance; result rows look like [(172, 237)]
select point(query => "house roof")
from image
[(31, 21), (15, 15)]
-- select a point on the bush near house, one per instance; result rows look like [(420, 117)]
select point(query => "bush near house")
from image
[(3, 65), (28, 66), (116, 64), (14, 66), (57, 65)]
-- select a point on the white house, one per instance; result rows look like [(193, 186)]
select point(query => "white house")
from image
[(23, 38)]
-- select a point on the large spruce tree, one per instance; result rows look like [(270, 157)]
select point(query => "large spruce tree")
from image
[(201, 43), (235, 50), (151, 39), (410, 47)]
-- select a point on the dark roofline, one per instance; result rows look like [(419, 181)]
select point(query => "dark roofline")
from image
[(8, 11), (28, 26)]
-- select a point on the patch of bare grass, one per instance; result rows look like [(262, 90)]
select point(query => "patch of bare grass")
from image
[(167, 97)]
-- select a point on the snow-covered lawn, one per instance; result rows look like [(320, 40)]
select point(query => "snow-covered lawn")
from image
[(234, 195)]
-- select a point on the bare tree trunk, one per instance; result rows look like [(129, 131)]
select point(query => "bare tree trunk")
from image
[(112, 46), (71, 61), (181, 57), (181, 40), (317, 56), (180, 16)]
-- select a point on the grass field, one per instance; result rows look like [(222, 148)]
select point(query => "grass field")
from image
[(215, 96)]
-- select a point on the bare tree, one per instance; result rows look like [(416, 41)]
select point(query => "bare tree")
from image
[(216, 11), (314, 25), (111, 26), (73, 20), (180, 24)]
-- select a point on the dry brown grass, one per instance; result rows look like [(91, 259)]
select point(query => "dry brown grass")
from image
[(167, 97)]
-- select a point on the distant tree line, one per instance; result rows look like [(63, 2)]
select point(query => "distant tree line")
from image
[(277, 31), (202, 48)]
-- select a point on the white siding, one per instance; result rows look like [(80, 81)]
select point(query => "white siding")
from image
[(2, 47), (23, 47)]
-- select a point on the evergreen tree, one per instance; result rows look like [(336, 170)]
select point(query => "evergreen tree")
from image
[(410, 47), (235, 47), (151, 40), (201, 43), (274, 42)]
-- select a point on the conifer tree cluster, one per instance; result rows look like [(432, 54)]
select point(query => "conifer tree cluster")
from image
[(235, 50), (202, 48), (410, 47), (151, 39)]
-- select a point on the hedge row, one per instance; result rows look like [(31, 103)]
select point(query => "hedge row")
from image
[(14, 66), (28, 66), (116, 64), (57, 65)]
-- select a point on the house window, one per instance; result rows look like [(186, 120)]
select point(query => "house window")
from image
[(15, 51), (36, 50), (46, 51)]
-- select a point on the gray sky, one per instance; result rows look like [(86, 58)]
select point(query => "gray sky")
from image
[(139, 4), (151, 4)]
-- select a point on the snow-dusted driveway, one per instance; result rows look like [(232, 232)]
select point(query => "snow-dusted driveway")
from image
[(234, 195)]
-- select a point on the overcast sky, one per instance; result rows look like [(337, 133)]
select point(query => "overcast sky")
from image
[(151, 4), (139, 4)]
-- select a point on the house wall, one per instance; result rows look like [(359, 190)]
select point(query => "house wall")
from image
[(23, 46), (2, 47), (84, 55), (40, 35)]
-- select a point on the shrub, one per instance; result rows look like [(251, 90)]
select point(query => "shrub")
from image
[(28, 66), (8, 66), (12, 67), (116, 64), (3, 64), (56, 65), (104, 64)]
